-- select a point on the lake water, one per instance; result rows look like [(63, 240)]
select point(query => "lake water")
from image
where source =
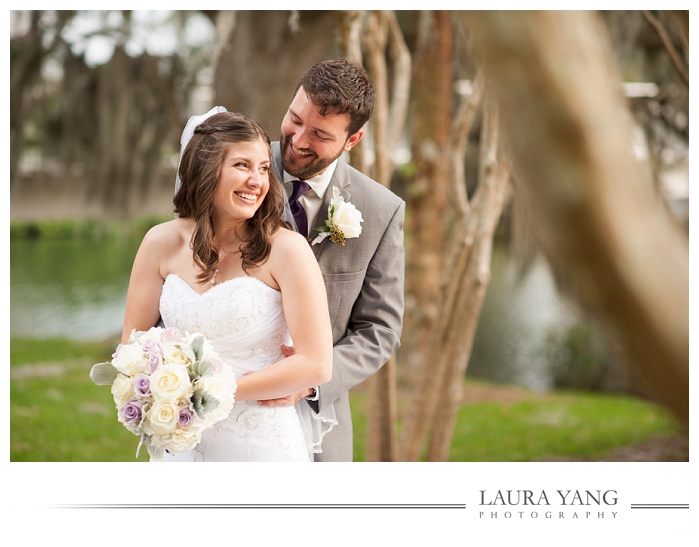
[(73, 288), (77, 289)]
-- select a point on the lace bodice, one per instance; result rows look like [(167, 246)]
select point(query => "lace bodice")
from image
[(242, 317)]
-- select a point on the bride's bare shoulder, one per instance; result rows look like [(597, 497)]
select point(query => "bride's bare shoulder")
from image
[(171, 234), (285, 240)]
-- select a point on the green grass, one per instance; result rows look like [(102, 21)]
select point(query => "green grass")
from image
[(559, 424), (58, 414)]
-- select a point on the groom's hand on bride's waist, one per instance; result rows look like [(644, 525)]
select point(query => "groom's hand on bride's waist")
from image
[(289, 400)]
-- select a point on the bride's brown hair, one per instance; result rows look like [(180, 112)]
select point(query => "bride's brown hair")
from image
[(199, 171)]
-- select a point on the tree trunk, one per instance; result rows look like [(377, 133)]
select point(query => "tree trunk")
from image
[(608, 238), (428, 192), (471, 280), (258, 69)]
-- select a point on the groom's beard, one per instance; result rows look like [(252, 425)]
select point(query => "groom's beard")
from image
[(306, 171)]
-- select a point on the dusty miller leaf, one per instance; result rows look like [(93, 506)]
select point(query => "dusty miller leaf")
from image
[(103, 374), (198, 347), (203, 403)]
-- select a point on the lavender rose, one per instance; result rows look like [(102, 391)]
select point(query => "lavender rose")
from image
[(150, 346), (155, 361), (132, 410), (186, 417), (141, 384)]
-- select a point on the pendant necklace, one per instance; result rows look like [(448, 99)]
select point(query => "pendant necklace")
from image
[(213, 277)]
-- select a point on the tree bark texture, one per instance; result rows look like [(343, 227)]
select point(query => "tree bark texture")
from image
[(428, 192), (259, 68), (438, 394), (607, 236), (469, 281)]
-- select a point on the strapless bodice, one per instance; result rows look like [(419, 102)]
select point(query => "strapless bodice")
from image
[(241, 317)]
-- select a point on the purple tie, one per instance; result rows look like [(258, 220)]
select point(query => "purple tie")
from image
[(300, 188)]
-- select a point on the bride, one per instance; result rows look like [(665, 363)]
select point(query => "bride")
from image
[(230, 269)]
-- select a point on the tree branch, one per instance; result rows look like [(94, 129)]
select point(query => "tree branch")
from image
[(660, 30)]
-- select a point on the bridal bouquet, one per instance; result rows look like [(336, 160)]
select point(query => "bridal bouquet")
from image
[(168, 388)]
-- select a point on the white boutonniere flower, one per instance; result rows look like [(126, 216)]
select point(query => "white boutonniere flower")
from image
[(344, 221)]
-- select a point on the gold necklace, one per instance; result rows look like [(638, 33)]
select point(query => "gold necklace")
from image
[(213, 277)]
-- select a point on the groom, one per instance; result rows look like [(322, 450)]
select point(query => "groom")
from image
[(364, 278)]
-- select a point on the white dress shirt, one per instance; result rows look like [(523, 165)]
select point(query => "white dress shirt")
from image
[(312, 200)]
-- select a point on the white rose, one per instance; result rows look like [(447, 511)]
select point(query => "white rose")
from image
[(177, 440), (163, 417), (346, 216), (151, 334), (130, 360), (178, 354), (223, 387), (122, 390), (170, 383)]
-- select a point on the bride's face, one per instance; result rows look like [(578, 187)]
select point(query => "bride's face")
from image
[(243, 181)]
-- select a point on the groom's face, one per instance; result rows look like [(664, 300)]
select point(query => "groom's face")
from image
[(310, 141)]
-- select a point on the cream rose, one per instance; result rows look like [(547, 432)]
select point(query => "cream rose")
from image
[(163, 417), (130, 360), (178, 354), (345, 216), (170, 383), (122, 390)]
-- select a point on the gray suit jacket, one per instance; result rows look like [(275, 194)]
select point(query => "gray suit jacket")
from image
[(364, 281)]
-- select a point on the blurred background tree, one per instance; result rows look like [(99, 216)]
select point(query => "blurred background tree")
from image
[(99, 98)]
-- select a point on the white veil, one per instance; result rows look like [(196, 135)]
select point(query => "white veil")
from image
[(187, 135)]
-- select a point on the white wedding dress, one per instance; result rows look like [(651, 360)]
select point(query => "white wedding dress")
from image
[(243, 319)]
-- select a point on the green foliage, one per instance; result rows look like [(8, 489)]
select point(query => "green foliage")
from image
[(581, 358), (83, 228), (103, 374), (203, 403), (198, 347), (200, 369)]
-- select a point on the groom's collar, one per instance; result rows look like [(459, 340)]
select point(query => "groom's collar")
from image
[(319, 183)]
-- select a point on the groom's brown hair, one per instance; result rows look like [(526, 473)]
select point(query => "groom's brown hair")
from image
[(199, 172), (340, 87)]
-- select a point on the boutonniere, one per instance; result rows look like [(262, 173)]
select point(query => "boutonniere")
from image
[(343, 221)]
